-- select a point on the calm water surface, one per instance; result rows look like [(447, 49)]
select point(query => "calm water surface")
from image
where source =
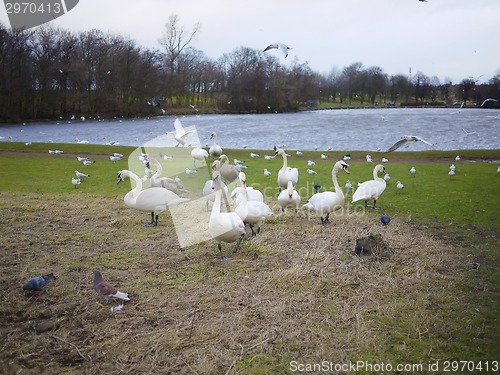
[(348, 129)]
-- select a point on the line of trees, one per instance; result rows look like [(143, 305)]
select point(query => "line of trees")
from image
[(49, 73)]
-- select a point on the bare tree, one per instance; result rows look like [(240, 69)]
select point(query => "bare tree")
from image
[(175, 40)]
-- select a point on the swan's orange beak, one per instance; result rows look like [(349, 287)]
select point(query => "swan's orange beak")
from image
[(346, 170)]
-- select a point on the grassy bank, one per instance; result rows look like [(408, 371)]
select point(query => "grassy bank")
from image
[(296, 292)]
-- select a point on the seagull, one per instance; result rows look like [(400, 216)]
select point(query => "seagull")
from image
[(310, 163), (267, 173), (88, 162), (387, 177), (323, 156), (384, 160), (268, 157), (399, 185), (191, 171), (451, 173), (310, 171), (488, 100), (457, 158), (405, 139), (75, 181), (452, 167), (252, 155), (348, 185), (81, 175), (281, 46), (468, 133), (498, 169), (413, 171), (115, 158), (299, 153)]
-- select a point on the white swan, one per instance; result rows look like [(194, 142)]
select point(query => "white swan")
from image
[(289, 197), (168, 183), (209, 190), (329, 201), (286, 173), (224, 226), (215, 150), (198, 153), (180, 135), (252, 193), (253, 213), (371, 189), (229, 172), (154, 199)]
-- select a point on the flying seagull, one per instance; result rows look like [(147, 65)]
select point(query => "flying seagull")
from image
[(489, 100), (405, 139), (281, 46)]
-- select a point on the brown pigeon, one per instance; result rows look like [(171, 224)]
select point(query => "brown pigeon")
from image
[(106, 290)]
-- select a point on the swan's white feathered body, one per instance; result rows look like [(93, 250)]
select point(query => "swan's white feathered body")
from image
[(153, 199), (329, 201), (180, 135), (224, 226), (253, 213), (286, 173), (215, 150), (289, 197), (371, 189)]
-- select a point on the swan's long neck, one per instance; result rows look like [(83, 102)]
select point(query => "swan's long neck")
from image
[(338, 190), (285, 163), (217, 202), (376, 177), (138, 184), (214, 139)]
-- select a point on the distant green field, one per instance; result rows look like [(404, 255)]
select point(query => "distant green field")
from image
[(468, 198)]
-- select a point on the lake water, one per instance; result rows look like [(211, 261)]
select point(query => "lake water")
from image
[(343, 130)]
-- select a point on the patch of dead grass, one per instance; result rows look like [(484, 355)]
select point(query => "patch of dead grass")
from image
[(296, 292)]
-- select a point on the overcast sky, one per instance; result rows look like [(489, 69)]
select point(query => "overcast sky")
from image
[(450, 39)]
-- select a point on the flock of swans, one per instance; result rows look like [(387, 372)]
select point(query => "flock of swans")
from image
[(226, 224)]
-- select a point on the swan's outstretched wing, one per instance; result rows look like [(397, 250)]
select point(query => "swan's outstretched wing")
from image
[(178, 126)]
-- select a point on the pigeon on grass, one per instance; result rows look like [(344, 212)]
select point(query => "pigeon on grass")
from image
[(106, 290), (36, 284)]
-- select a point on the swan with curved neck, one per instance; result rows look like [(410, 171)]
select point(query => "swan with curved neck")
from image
[(229, 172), (329, 201), (165, 182), (253, 213), (215, 150), (371, 189), (224, 226), (153, 199), (286, 173)]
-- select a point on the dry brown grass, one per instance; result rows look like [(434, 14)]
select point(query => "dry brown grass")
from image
[(296, 292)]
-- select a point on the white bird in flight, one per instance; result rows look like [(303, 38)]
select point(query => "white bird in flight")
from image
[(405, 139), (488, 100), (278, 45)]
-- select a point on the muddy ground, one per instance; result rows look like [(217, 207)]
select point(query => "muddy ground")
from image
[(296, 292)]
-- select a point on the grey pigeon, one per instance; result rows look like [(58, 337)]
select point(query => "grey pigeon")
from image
[(106, 290), (36, 284), (385, 219)]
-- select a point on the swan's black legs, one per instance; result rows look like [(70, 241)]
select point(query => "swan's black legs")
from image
[(237, 246), (325, 220)]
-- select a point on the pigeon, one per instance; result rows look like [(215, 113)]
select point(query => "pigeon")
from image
[(405, 139), (36, 284), (107, 290), (385, 219), (316, 187)]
